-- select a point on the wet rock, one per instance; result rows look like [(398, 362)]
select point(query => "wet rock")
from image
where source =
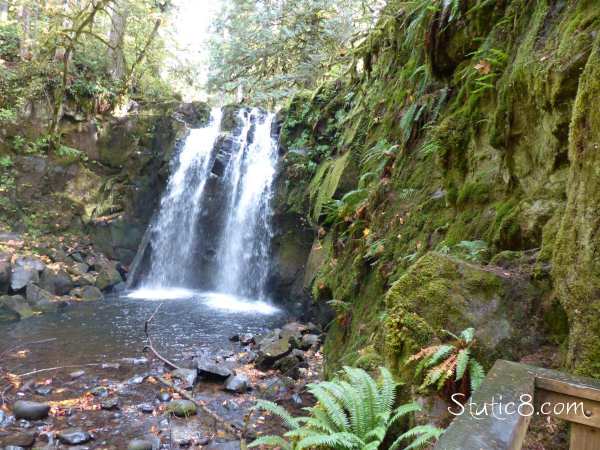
[(135, 380), (188, 376), (235, 338), (16, 304), (288, 365), (108, 277), (274, 389), (4, 277), (308, 341), (139, 444), (209, 367), (77, 257), (203, 441), (87, 293), (110, 404), (164, 396), (73, 436), (246, 339), (5, 419), (292, 332), (22, 276), (43, 390), (237, 383), (181, 408), (313, 328), (80, 268), (40, 300), (30, 261), (19, 440), (100, 392), (58, 283), (233, 445), (248, 357), (77, 374), (23, 409), (297, 399), (270, 351), (146, 408)]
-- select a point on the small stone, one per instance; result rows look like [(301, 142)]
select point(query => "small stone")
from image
[(139, 444), (246, 339), (297, 399), (182, 408), (23, 409), (77, 374), (43, 390), (110, 404), (237, 383), (164, 396), (309, 341), (73, 436), (20, 440), (207, 366), (186, 375), (235, 338), (203, 441), (100, 392), (136, 380), (146, 408)]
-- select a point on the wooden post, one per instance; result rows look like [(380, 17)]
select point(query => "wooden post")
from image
[(584, 437)]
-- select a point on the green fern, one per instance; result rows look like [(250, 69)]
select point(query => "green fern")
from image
[(352, 412)]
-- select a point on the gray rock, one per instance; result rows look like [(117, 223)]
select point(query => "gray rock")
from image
[(22, 276), (43, 390), (59, 283), (110, 404), (292, 332), (272, 349), (77, 257), (309, 341), (30, 262), (274, 389), (23, 409), (237, 383), (80, 268), (87, 293), (5, 419), (73, 436), (139, 444), (207, 366), (19, 440), (17, 304), (100, 392), (246, 339), (181, 408), (39, 299), (4, 277), (188, 376), (146, 408), (108, 277), (164, 396), (232, 445)]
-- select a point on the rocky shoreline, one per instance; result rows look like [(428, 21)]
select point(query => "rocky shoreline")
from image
[(128, 405)]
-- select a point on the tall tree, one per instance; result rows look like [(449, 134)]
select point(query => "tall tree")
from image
[(3, 11), (117, 34), (272, 47)]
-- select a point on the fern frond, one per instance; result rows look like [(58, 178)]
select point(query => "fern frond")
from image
[(337, 440), (289, 421), (423, 433), (467, 334), (331, 407), (404, 410), (462, 362), (272, 441), (476, 373)]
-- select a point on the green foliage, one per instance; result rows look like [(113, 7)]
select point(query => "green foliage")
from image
[(270, 49), (447, 364), (476, 251), (352, 412)]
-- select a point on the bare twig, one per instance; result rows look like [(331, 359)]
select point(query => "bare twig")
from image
[(151, 347), (49, 369)]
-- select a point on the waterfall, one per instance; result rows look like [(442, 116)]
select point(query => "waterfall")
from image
[(212, 231)]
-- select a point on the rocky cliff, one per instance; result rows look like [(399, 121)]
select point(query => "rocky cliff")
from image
[(450, 180)]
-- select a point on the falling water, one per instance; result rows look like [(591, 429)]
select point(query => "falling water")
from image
[(212, 231)]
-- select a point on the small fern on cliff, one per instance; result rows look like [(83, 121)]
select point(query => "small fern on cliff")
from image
[(450, 366), (352, 412)]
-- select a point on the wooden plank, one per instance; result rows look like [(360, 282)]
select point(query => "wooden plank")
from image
[(584, 437), (568, 387), (567, 407)]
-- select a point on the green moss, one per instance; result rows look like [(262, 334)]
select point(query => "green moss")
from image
[(473, 192)]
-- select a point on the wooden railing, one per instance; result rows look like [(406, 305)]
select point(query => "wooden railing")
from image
[(512, 394)]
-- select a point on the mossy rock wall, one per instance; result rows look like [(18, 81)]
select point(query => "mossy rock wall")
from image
[(472, 139)]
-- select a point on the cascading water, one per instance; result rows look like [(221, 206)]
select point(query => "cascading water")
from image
[(212, 231)]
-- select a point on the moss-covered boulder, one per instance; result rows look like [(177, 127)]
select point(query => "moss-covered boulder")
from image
[(443, 293)]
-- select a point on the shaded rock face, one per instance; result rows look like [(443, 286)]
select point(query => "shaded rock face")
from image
[(22, 276), (41, 300), (16, 304), (59, 283), (30, 410)]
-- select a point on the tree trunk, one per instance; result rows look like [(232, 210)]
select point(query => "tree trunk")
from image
[(25, 20), (3, 11), (117, 33)]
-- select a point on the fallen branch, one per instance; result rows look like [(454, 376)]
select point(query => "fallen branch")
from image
[(230, 429), (49, 369), (151, 347)]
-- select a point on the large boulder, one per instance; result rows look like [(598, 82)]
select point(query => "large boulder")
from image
[(23, 409), (30, 261), (209, 367), (87, 293), (16, 304), (443, 293), (4, 276), (40, 299), (58, 283), (108, 277), (20, 277)]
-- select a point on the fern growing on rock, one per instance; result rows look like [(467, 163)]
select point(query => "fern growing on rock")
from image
[(450, 367), (352, 412)]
